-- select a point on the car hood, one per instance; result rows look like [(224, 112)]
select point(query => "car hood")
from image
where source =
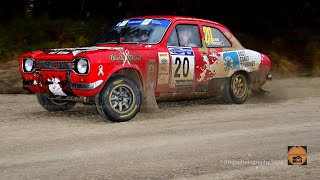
[(68, 54)]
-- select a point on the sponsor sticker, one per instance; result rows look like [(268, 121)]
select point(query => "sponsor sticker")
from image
[(231, 60), (163, 68)]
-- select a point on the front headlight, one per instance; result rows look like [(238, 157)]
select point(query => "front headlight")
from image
[(28, 64), (82, 66)]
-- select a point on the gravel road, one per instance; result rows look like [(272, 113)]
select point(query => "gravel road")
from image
[(197, 139)]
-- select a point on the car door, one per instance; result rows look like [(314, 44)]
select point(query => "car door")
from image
[(183, 45), (213, 68)]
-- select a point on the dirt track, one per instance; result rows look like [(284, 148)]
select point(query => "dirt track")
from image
[(185, 140)]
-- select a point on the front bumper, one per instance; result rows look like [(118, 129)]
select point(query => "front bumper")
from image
[(87, 86), (61, 83)]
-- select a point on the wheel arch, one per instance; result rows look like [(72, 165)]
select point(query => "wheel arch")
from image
[(131, 72), (247, 73)]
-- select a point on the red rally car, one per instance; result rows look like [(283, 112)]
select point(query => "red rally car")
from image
[(142, 60)]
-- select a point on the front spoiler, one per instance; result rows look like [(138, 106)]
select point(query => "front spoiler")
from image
[(76, 86)]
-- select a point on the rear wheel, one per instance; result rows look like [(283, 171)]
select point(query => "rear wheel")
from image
[(237, 88), (119, 100), (54, 105)]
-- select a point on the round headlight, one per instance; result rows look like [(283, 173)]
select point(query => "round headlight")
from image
[(82, 66), (28, 64)]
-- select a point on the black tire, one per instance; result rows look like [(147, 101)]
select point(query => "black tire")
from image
[(119, 100), (54, 105), (236, 90)]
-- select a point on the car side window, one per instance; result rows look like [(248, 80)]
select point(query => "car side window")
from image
[(215, 38), (173, 39), (189, 35), (185, 35)]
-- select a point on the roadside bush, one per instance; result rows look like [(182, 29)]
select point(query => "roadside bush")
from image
[(282, 66), (313, 49), (24, 35)]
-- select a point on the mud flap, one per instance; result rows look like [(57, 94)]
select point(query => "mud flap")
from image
[(149, 103)]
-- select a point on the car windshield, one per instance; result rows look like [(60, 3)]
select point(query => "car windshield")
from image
[(148, 31)]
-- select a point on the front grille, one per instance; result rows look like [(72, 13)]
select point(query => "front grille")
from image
[(55, 65)]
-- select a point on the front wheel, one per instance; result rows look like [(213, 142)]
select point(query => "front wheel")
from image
[(54, 105), (119, 100), (237, 88)]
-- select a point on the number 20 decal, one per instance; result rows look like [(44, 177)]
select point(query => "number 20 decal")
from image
[(185, 67), (182, 66)]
